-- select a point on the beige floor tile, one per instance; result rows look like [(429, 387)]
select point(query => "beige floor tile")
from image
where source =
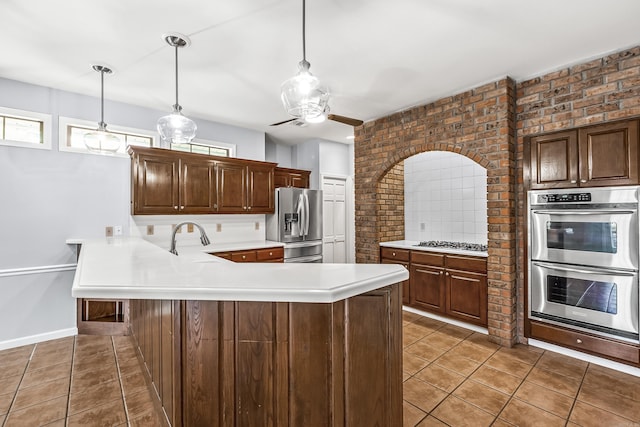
[(611, 381), (563, 365), (501, 381), (89, 378), (524, 353), (551, 380), (405, 376), (411, 415), (422, 395), (417, 330), (543, 398), (425, 351), (40, 414), (90, 362), (482, 340), (13, 368), (9, 384), (59, 423), (44, 359), (507, 363), (5, 402), (458, 364), (409, 316), (523, 414), (456, 331), (486, 398), (472, 351), (139, 404), (132, 384), (39, 393), (441, 340), (611, 402), (94, 396), (35, 377), (457, 412), (147, 420), (430, 323), (440, 377), (503, 423), (412, 364), (589, 416), (108, 414), (432, 421)]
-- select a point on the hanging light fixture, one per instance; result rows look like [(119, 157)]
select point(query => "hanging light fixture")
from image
[(302, 95), (100, 140), (176, 128)]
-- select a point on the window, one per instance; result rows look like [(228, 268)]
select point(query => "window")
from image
[(72, 133), (20, 128), (210, 148)]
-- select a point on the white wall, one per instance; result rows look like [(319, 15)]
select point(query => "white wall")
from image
[(278, 153), (48, 196), (445, 196)]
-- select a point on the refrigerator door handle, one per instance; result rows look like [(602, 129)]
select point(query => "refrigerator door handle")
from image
[(301, 215), (306, 215)]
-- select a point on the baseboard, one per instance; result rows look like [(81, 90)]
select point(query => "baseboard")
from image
[(454, 322), (33, 339)]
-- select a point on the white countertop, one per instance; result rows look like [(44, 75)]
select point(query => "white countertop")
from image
[(132, 268), (412, 245)]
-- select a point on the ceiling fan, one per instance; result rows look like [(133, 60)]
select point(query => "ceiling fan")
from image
[(336, 118)]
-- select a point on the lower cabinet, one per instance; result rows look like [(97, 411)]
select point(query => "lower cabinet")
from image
[(446, 284), (234, 363), (275, 254)]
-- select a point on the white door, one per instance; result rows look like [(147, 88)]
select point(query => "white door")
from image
[(334, 216)]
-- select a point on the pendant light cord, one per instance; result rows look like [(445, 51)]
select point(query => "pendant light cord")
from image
[(177, 106), (102, 123), (304, 49)]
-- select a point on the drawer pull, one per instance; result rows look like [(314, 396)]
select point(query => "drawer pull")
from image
[(578, 341), (573, 181), (270, 253), (244, 257), (447, 273), (442, 272), (393, 253)]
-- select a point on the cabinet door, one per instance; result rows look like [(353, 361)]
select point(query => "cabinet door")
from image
[(156, 185), (553, 160), (198, 192), (260, 189), (281, 179), (232, 188), (406, 284), (467, 296), (300, 180), (609, 154), (427, 287)]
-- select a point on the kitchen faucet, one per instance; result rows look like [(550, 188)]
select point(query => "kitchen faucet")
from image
[(203, 236)]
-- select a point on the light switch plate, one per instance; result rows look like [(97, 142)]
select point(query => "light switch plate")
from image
[(189, 228), (218, 227), (108, 231), (257, 226), (150, 230)]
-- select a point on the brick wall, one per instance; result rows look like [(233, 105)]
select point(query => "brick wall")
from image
[(390, 204), (597, 91), (479, 124)]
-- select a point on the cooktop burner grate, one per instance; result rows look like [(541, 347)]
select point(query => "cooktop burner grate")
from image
[(454, 245)]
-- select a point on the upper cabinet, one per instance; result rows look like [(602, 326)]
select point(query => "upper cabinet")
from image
[(285, 177), (593, 156), (168, 182)]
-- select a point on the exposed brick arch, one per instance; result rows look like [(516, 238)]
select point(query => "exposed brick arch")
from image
[(478, 124)]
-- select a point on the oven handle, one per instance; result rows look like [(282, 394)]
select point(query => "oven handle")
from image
[(584, 270), (586, 212)]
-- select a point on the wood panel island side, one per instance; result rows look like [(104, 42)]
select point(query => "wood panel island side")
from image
[(230, 344)]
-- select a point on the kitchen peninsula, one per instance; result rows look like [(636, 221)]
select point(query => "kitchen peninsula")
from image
[(257, 344)]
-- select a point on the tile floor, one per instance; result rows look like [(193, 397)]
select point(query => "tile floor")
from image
[(452, 377), (456, 377), (76, 381)]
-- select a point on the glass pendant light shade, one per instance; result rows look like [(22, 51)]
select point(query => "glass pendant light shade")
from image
[(175, 128), (100, 140), (303, 96)]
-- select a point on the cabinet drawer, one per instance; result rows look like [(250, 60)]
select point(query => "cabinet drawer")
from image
[(225, 255), (467, 263), (269, 254), (427, 258), (585, 342), (243, 256), (396, 254)]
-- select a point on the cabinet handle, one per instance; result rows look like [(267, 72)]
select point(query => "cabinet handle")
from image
[(249, 208), (244, 257), (447, 273), (244, 207), (181, 207), (175, 207), (441, 273), (270, 253), (215, 206), (578, 341), (583, 181), (393, 254), (573, 181)]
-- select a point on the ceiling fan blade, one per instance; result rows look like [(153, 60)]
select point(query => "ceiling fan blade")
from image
[(283, 122), (345, 120)]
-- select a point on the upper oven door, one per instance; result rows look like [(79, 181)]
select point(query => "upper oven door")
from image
[(597, 236)]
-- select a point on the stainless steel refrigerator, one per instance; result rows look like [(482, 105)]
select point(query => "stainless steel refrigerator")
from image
[(297, 222)]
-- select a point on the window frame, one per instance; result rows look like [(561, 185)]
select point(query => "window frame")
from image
[(45, 119), (213, 144)]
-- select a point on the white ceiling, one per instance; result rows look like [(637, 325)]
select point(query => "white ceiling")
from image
[(376, 56)]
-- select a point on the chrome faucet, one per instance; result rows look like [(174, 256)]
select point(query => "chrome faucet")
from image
[(203, 236)]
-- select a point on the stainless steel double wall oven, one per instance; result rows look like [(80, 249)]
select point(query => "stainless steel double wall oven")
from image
[(584, 258)]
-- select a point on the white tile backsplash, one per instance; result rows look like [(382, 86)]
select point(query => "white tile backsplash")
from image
[(446, 192)]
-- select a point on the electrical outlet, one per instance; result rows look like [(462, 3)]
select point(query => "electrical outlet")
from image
[(218, 227), (257, 226), (189, 228), (150, 230), (117, 230), (108, 231)]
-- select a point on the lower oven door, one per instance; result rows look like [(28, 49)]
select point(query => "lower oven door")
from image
[(602, 301)]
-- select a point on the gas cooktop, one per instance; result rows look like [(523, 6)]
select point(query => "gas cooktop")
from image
[(454, 245)]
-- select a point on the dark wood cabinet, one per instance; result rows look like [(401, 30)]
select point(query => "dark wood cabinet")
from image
[(398, 256), (168, 182), (285, 177), (593, 156), (274, 254), (224, 363), (448, 284)]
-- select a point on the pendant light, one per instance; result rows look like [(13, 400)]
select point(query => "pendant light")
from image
[(302, 95), (176, 128), (100, 140)]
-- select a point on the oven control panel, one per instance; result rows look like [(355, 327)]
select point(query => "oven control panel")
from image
[(564, 198)]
